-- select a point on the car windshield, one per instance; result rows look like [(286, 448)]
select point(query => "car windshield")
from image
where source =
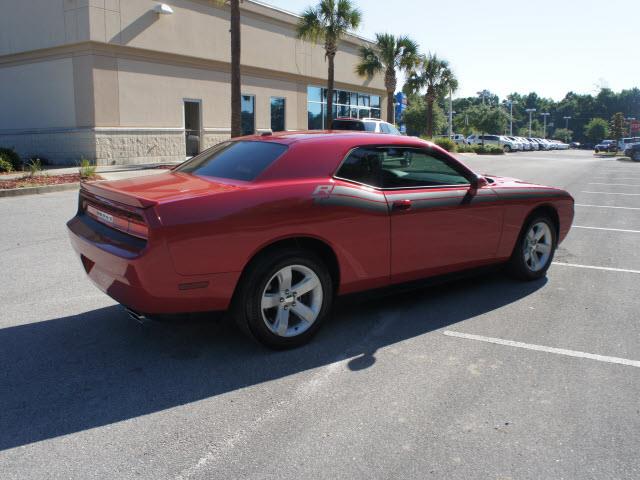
[(240, 160), (350, 125)]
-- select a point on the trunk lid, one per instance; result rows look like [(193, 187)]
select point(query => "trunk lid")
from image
[(145, 192)]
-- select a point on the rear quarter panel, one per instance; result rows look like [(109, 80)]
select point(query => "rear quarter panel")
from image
[(222, 232)]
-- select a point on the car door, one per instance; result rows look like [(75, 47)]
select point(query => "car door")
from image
[(440, 222)]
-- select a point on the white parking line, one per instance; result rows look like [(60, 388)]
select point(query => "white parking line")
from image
[(607, 229), (616, 184), (542, 348), (593, 267), (612, 193), (605, 206)]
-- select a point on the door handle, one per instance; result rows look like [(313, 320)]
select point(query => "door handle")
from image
[(401, 205)]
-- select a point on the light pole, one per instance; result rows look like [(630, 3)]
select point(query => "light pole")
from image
[(545, 115), (530, 112), (450, 113), (511, 102), (566, 127)]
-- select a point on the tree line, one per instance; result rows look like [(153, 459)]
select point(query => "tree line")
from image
[(577, 117)]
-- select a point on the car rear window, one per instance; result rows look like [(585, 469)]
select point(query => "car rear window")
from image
[(240, 160), (348, 125)]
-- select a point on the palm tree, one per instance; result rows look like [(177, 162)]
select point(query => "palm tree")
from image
[(435, 75), (329, 21), (388, 55), (236, 79)]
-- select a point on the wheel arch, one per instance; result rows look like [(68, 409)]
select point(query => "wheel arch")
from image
[(545, 209), (304, 242)]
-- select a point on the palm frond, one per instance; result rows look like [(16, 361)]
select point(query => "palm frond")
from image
[(370, 63), (310, 25)]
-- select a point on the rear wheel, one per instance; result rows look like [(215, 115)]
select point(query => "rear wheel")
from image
[(283, 298), (533, 254), (507, 149)]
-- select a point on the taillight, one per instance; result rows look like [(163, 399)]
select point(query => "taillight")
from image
[(123, 221)]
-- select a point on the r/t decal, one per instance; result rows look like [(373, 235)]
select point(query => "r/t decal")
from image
[(323, 190)]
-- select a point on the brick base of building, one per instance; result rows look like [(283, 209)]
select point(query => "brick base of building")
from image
[(105, 146)]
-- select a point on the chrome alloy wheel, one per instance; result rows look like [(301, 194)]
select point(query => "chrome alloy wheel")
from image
[(291, 301), (537, 246)]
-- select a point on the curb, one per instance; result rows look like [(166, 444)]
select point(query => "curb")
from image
[(17, 192)]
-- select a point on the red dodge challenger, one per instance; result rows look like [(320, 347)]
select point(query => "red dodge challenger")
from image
[(271, 228)]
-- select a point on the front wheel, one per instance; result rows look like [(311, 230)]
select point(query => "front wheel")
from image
[(283, 298), (533, 254), (507, 149)]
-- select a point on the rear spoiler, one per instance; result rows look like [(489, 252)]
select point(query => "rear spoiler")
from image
[(100, 190)]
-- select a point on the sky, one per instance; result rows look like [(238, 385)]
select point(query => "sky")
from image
[(547, 46)]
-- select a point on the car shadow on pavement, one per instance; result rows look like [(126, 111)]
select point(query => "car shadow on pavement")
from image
[(70, 374)]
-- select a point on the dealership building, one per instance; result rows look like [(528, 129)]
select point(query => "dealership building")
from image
[(139, 81)]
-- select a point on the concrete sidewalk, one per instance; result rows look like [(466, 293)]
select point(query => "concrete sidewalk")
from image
[(109, 172)]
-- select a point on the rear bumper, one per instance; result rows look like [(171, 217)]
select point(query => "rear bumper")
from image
[(146, 281)]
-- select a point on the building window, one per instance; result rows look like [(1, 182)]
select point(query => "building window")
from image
[(248, 114), (314, 112), (277, 114), (346, 104)]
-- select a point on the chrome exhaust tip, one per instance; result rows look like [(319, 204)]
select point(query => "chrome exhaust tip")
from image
[(138, 317)]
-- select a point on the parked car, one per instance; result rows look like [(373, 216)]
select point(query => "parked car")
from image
[(548, 144), (623, 143), (534, 145), (634, 152), (365, 125), (527, 144), (541, 144), (629, 146), (271, 228), (558, 145), (575, 145), (605, 146), (458, 138), (497, 140), (518, 143)]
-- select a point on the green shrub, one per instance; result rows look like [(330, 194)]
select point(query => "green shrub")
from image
[(5, 166), (445, 143), (86, 169), (464, 148), (487, 149), (9, 155)]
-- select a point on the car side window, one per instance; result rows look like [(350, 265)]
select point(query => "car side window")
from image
[(362, 165), (384, 128), (410, 168)]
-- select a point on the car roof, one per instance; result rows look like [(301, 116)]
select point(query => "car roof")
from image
[(343, 136), (318, 153)]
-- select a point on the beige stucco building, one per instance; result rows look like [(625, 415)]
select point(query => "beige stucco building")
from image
[(116, 82)]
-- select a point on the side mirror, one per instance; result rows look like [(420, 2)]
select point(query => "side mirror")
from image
[(479, 182)]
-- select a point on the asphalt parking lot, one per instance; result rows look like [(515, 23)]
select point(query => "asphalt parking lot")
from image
[(480, 378)]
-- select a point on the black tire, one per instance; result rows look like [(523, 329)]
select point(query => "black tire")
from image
[(597, 151), (507, 149), (247, 307), (517, 266)]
